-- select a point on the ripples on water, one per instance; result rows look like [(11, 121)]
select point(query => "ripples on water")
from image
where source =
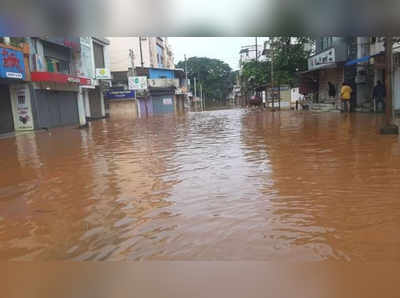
[(218, 185)]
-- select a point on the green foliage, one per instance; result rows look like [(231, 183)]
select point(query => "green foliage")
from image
[(289, 56), (255, 74), (214, 75)]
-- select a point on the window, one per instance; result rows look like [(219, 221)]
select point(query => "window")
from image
[(21, 100), (98, 52), (57, 65)]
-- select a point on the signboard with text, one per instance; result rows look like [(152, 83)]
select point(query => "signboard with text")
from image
[(322, 59), (12, 64), (122, 94), (103, 74), (137, 83)]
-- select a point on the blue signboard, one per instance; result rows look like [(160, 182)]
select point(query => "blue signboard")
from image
[(123, 94), (12, 64)]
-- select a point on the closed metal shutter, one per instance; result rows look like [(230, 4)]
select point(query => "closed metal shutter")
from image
[(95, 103), (6, 117), (56, 108), (163, 104)]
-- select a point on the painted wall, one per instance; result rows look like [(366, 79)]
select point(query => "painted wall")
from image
[(161, 73), (123, 108)]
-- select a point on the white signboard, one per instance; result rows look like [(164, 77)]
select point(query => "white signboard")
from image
[(322, 59), (103, 74), (137, 83), (167, 101), (14, 75)]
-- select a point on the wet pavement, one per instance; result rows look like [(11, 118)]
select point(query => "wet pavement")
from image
[(218, 185)]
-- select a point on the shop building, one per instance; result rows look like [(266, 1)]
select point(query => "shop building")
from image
[(327, 65), (160, 97), (94, 64), (54, 94)]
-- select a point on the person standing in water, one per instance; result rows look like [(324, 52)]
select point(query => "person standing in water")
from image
[(345, 95)]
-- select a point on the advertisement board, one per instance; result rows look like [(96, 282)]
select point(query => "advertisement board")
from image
[(22, 110), (123, 94), (12, 64), (137, 83), (103, 74)]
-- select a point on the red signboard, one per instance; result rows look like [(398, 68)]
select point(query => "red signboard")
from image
[(38, 76)]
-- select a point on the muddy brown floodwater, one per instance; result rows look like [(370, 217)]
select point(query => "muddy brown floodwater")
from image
[(218, 185)]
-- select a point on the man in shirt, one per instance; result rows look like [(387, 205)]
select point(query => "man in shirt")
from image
[(345, 95)]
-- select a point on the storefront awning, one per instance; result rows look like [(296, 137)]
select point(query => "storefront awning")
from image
[(356, 61)]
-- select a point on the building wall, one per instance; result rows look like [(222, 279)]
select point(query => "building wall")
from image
[(119, 53), (161, 73)]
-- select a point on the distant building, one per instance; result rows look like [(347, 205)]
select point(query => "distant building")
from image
[(125, 53), (249, 53)]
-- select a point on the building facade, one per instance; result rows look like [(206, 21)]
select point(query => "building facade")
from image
[(250, 53), (94, 64), (327, 65), (50, 82), (130, 52)]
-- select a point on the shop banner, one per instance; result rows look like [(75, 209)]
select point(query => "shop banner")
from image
[(124, 94), (12, 64)]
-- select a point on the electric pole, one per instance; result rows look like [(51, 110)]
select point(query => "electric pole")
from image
[(186, 75), (389, 127), (195, 87), (272, 76), (141, 53), (132, 58), (201, 96), (256, 49)]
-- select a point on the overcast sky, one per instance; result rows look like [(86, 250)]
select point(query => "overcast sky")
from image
[(223, 48)]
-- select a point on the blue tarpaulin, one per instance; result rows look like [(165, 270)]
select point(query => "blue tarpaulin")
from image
[(356, 61)]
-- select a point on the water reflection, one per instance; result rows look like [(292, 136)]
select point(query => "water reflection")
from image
[(218, 185)]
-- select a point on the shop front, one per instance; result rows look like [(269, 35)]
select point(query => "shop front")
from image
[(56, 99), (121, 103), (12, 72)]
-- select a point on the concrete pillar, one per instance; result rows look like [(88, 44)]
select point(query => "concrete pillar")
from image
[(87, 104), (81, 107), (102, 104)]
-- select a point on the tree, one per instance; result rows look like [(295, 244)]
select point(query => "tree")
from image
[(255, 74), (289, 55), (214, 75)]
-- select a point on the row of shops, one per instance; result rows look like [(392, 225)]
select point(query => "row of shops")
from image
[(360, 61), (163, 93), (49, 83)]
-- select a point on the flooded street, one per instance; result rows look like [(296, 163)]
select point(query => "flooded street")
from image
[(219, 185)]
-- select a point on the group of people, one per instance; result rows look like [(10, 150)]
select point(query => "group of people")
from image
[(378, 96)]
